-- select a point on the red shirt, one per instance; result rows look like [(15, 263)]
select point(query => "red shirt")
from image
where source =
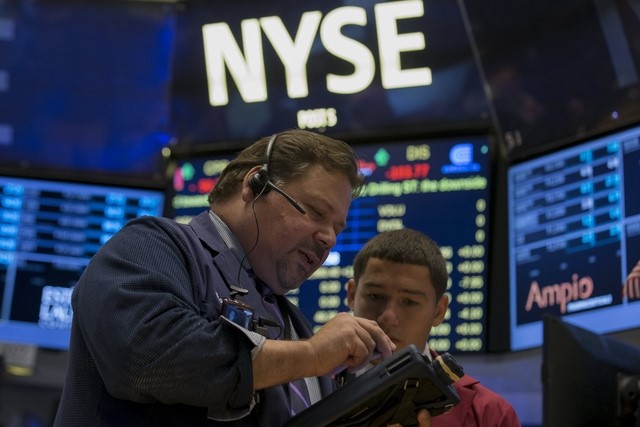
[(479, 406)]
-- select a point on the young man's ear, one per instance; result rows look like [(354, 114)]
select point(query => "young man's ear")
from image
[(441, 309), (351, 292)]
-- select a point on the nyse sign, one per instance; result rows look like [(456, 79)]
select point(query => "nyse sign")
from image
[(247, 68)]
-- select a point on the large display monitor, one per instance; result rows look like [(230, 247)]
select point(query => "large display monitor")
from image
[(440, 186), (574, 237), (326, 65), (540, 95), (49, 230), (588, 379), (82, 82)]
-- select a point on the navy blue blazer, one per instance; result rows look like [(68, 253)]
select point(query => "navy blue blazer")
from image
[(147, 347)]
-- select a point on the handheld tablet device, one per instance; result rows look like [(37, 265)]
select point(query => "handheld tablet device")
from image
[(391, 392)]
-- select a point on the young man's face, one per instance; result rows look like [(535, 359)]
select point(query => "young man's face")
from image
[(401, 298)]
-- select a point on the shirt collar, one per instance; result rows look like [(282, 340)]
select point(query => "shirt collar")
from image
[(230, 240), (427, 351)]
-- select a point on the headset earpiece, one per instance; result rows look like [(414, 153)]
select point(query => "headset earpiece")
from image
[(261, 184), (259, 181)]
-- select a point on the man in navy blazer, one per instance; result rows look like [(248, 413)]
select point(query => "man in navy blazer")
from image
[(187, 324)]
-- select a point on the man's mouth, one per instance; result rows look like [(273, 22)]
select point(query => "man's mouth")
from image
[(307, 258)]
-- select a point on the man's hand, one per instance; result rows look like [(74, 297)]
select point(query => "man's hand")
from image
[(424, 419), (349, 342), (343, 342)]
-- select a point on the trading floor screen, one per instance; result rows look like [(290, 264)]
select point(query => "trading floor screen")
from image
[(438, 186)]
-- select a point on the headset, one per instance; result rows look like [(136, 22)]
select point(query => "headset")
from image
[(261, 184)]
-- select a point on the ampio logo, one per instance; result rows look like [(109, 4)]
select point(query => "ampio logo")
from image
[(560, 293)]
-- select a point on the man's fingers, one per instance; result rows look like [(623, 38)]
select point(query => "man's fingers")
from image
[(382, 343)]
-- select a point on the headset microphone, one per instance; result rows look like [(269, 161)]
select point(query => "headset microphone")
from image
[(261, 184), (286, 196)]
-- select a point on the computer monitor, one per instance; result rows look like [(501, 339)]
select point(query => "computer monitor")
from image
[(49, 230), (538, 94), (574, 236), (588, 379), (439, 185), (82, 82)]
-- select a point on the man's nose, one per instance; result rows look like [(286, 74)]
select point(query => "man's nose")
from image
[(326, 237), (389, 315)]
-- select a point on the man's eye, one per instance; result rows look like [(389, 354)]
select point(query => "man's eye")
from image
[(375, 297)]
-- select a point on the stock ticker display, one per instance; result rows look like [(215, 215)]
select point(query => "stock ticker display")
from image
[(438, 186), (48, 233), (574, 236)]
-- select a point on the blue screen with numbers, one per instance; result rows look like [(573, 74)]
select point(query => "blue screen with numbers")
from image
[(574, 237), (49, 230)]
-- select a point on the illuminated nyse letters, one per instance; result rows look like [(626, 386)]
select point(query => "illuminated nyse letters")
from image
[(348, 49), (247, 68), (391, 44), (294, 54), (220, 48)]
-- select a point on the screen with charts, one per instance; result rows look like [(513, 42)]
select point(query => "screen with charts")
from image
[(574, 237), (437, 185), (49, 231)]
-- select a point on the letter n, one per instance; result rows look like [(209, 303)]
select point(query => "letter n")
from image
[(221, 50)]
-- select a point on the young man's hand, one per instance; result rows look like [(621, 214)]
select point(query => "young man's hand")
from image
[(424, 419)]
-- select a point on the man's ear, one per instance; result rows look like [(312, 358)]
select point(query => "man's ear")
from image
[(248, 194), (441, 309), (351, 292)]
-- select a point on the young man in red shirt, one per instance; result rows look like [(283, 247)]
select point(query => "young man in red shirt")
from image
[(400, 279)]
